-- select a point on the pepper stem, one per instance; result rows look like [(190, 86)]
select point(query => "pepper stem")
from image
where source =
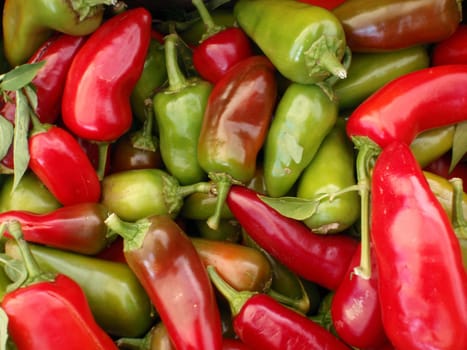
[(211, 27), (458, 219), (321, 59), (223, 183), (176, 78), (202, 187), (144, 139), (235, 298), (87, 8), (368, 150), (133, 233)]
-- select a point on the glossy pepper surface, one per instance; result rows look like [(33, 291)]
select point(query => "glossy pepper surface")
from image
[(172, 273), (421, 280), (374, 25), (103, 74), (302, 119), (28, 24), (308, 50), (451, 50), (179, 111)]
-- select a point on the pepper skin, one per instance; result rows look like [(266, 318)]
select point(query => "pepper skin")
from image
[(62, 165), (302, 119), (28, 24), (407, 106), (168, 266), (79, 227), (96, 100), (451, 50), (375, 25), (179, 111), (421, 280), (117, 300), (322, 259)]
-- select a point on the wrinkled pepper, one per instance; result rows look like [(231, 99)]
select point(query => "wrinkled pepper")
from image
[(179, 111), (28, 24), (235, 125), (421, 280), (303, 117), (307, 50), (169, 268)]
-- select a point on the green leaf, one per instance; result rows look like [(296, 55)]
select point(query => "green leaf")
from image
[(20, 76), (3, 329), (20, 141), (459, 144), (7, 131), (30, 92), (293, 207)]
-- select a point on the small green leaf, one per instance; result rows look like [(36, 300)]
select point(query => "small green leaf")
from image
[(20, 141), (459, 144), (3, 329), (30, 92), (293, 207), (20, 76), (7, 131)]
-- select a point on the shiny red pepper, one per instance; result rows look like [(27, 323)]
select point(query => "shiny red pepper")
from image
[(415, 102), (58, 313), (322, 259), (172, 273), (452, 50), (220, 48), (58, 53), (261, 322), (79, 228), (62, 165), (421, 280), (95, 103)]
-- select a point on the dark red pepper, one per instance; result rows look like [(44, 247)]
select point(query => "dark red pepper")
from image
[(220, 48), (79, 228), (322, 259), (327, 4), (62, 165), (95, 103), (261, 322), (58, 313), (169, 268), (452, 50), (421, 279)]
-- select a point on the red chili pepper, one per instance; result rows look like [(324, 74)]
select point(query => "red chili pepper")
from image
[(95, 103), (415, 102), (220, 48), (322, 259), (79, 228), (355, 308), (172, 273), (50, 311), (327, 4), (421, 278), (58, 53), (261, 322), (452, 50), (62, 165)]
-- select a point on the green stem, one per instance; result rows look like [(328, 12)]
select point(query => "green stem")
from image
[(458, 219), (211, 27), (235, 298), (131, 343), (302, 305), (103, 149), (144, 139), (223, 183), (176, 78), (202, 187), (321, 57), (133, 233), (87, 8)]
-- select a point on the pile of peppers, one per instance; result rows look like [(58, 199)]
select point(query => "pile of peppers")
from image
[(233, 174)]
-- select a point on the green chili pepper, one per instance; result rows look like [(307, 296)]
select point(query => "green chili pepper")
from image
[(432, 144), (179, 113), (27, 24), (304, 116), (330, 171), (154, 75), (308, 48), (30, 194), (369, 71), (135, 194), (118, 301)]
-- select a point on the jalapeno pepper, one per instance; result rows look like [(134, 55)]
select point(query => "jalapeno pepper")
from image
[(302, 119), (308, 50), (375, 25), (168, 266), (179, 112), (421, 280)]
